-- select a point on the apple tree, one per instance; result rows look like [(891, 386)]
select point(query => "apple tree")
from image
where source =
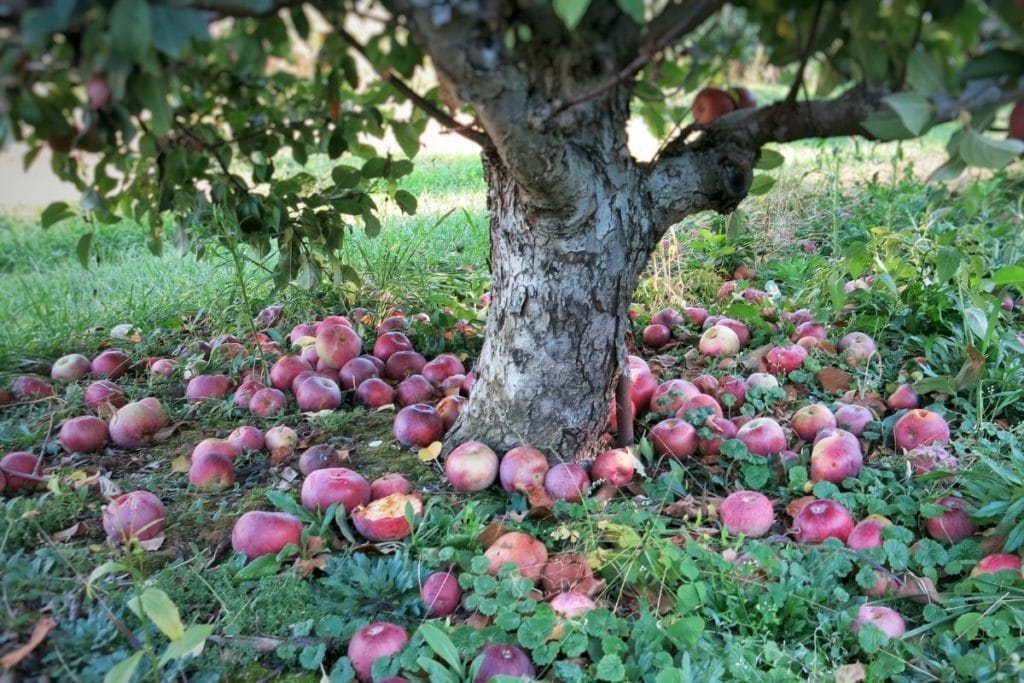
[(182, 114)]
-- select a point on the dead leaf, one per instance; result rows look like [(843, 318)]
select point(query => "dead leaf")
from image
[(167, 432), (375, 444), (279, 455), (430, 453), (794, 508), (154, 543), (920, 589), (67, 534), (108, 489), (491, 533), (307, 567), (556, 632), (289, 475), (39, 632), (478, 621), (834, 380), (182, 463), (851, 673), (538, 497), (386, 408)]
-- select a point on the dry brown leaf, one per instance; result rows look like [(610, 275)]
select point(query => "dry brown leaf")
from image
[(289, 475), (920, 589), (538, 497), (491, 533), (834, 380), (851, 673), (794, 508), (43, 627), (182, 463), (108, 489), (154, 543), (167, 432), (478, 621), (279, 455), (67, 534), (307, 567)]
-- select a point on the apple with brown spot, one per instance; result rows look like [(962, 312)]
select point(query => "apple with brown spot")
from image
[(384, 519)]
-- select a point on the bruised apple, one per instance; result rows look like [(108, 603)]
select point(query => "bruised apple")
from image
[(134, 425), (571, 605), (809, 420), (417, 425), (247, 438), (615, 466), (70, 368), (384, 519), (323, 488), (449, 409), (211, 471), (504, 660), (886, 619), (104, 397), (320, 457), (565, 571), (523, 468), (567, 481), (259, 533), (138, 514), (719, 340), (522, 550), (30, 388)]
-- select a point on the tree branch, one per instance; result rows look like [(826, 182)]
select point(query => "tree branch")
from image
[(678, 19), (428, 107), (798, 80)]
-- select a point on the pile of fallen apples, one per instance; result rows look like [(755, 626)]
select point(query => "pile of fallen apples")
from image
[(688, 418)]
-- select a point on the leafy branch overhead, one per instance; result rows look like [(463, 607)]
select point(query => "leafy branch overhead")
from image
[(187, 115)]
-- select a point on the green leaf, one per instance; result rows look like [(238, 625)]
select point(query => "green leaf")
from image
[(54, 213), (871, 638), (946, 263), (966, 625), (173, 27), (761, 184), (407, 137), (441, 644), (336, 146), (924, 74), (130, 28), (769, 160), (887, 125), (1009, 275), (950, 170), (312, 656), (160, 609), (101, 571), (124, 672), (997, 63), (84, 248), (913, 109), (190, 644), (976, 321), (686, 631), (406, 201), (264, 565), (942, 384), (610, 668), (978, 150), (634, 8), (153, 95), (571, 11)]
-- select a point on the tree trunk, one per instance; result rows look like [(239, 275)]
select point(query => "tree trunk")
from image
[(561, 290)]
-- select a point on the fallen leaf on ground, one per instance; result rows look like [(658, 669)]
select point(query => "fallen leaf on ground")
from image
[(39, 632)]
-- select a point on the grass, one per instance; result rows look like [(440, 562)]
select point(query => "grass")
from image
[(673, 599)]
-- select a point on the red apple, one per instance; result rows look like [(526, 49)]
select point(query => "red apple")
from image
[(886, 619), (706, 384), (111, 363), (868, 533), (337, 344), (281, 438), (571, 605), (656, 336), (163, 367), (401, 364), (853, 418), (85, 434), (208, 387), (370, 643), (504, 660), (415, 389), (245, 391), (641, 390), (285, 370), (567, 481), (903, 398), (669, 397), (808, 330), (355, 372), (317, 393), (471, 466), (382, 520), (452, 385), (785, 358), (134, 424), (161, 419), (390, 343), (857, 348), (443, 367), (247, 438), (1017, 113), (104, 397), (835, 459), (221, 447), (269, 316), (762, 436), (71, 368), (822, 519), (319, 457), (388, 484), (375, 393), (710, 104), (417, 425), (698, 403), (924, 459), (998, 562), (268, 402), (211, 471), (696, 315), (722, 430), (523, 468), (733, 386), (441, 594), (393, 323), (719, 340), (138, 514), (323, 488), (21, 462), (615, 466), (920, 428), (674, 437), (303, 331), (333, 320), (449, 408), (953, 525), (259, 533), (30, 388), (809, 420), (747, 513), (522, 550)]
